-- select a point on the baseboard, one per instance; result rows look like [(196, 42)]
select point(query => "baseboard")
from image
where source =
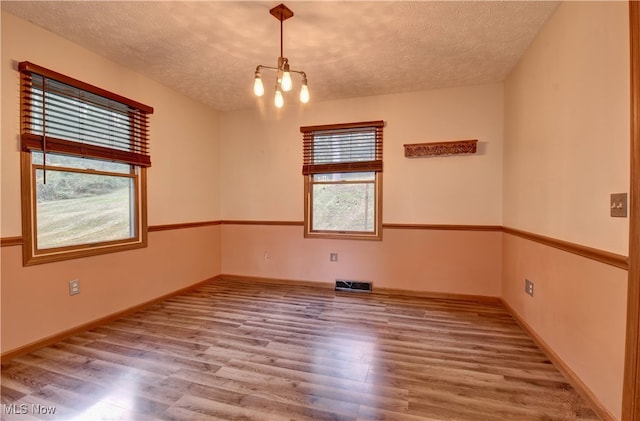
[(439, 295), (49, 340), (276, 281), (376, 290), (571, 376)]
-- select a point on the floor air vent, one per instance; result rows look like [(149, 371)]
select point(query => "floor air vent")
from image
[(344, 285)]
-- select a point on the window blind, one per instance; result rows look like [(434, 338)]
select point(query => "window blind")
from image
[(351, 147), (64, 115)]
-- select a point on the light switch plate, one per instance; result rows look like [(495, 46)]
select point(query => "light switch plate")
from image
[(618, 205)]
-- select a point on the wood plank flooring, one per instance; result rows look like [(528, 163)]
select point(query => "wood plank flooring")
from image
[(238, 351)]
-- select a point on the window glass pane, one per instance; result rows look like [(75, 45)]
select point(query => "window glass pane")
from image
[(55, 160), (78, 208), (343, 207), (345, 176)]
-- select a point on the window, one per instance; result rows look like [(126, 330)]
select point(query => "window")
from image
[(342, 165), (84, 158)]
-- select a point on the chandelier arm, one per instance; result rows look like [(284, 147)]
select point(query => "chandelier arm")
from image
[(300, 72), (266, 67)]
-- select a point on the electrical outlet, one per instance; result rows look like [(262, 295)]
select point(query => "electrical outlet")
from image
[(528, 287), (333, 257), (74, 287)]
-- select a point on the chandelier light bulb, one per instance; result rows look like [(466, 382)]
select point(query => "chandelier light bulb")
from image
[(286, 79), (304, 92), (258, 87), (279, 99)]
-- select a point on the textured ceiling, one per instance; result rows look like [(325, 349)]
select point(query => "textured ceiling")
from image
[(209, 50)]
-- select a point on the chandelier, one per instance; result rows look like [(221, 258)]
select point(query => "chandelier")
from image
[(283, 78)]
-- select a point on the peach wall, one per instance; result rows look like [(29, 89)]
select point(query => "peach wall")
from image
[(36, 301), (458, 262), (566, 149), (184, 150), (184, 145), (261, 163), (262, 160), (578, 308), (567, 128)]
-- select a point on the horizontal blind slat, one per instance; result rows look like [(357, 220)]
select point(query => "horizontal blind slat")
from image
[(342, 148), (67, 109), (69, 94), (86, 126), (78, 108), (80, 122)]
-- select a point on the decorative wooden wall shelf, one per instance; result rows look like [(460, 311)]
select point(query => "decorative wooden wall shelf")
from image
[(458, 147)]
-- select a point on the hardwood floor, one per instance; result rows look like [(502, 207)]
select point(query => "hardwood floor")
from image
[(237, 351)]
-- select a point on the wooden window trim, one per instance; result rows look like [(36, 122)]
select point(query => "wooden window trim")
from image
[(31, 255), (56, 250), (376, 235), (137, 156), (309, 168)]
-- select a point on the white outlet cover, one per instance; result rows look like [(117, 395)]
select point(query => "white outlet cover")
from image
[(74, 287)]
